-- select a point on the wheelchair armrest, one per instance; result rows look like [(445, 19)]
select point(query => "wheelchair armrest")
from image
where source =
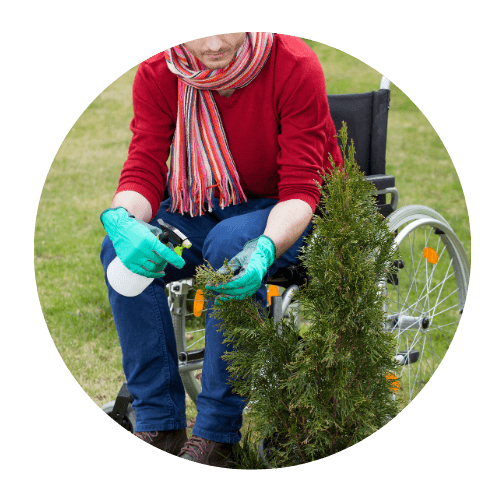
[(382, 181), (385, 184)]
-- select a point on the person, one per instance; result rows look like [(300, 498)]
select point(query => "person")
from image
[(245, 120)]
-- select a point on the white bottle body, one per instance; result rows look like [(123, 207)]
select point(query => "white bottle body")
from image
[(124, 281)]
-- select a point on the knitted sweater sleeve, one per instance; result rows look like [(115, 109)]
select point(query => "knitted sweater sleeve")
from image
[(307, 133), (153, 125)]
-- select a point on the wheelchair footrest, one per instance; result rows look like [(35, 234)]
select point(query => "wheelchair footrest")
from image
[(122, 401)]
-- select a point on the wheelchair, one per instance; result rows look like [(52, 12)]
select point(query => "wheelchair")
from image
[(425, 295)]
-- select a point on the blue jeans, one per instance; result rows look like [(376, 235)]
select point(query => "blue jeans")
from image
[(147, 337)]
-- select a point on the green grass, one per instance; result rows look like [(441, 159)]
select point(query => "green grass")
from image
[(84, 176)]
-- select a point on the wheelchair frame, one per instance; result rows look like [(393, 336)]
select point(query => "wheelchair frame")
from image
[(409, 314)]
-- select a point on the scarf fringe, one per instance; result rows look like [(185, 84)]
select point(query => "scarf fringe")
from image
[(201, 159)]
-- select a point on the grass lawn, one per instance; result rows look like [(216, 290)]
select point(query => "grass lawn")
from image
[(83, 178)]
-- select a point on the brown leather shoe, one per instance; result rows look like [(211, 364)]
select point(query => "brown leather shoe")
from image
[(207, 452), (169, 441)]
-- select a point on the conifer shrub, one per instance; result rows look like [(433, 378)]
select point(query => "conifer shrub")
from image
[(322, 384)]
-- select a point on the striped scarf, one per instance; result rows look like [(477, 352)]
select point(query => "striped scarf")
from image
[(201, 159)]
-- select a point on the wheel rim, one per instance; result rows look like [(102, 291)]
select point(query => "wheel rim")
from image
[(425, 300)]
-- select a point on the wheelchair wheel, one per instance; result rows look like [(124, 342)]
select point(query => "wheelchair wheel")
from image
[(425, 295), (188, 312)]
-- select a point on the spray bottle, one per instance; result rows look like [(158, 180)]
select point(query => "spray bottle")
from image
[(130, 284)]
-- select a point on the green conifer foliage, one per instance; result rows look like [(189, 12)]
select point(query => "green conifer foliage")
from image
[(315, 390)]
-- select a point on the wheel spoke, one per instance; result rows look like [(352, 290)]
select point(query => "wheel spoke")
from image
[(424, 305)]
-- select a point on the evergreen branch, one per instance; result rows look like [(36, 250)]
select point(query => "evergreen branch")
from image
[(327, 388)]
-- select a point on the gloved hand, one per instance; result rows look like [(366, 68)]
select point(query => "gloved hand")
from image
[(251, 265), (136, 244)]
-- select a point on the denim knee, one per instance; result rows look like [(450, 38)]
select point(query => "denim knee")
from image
[(229, 236), (222, 242)]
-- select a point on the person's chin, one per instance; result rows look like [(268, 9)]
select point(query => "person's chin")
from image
[(217, 63)]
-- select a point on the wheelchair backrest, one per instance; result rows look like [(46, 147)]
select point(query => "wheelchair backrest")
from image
[(366, 117)]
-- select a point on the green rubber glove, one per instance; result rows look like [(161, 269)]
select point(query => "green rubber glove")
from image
[(136, 244), (251, 265)]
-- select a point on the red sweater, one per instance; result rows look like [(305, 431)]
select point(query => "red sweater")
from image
[(278, 127)]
